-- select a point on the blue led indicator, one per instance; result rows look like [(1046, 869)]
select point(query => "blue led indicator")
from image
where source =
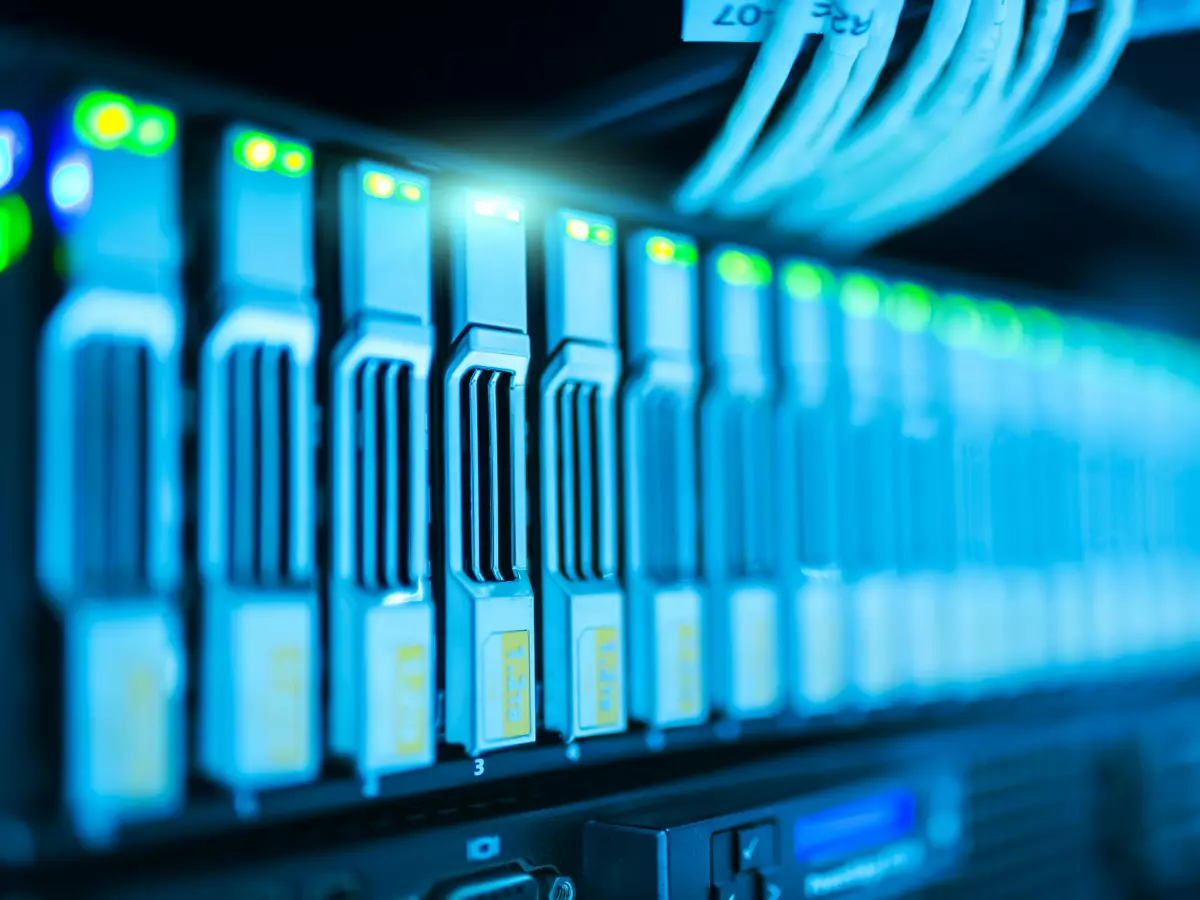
[(71, 184), (15, 144)]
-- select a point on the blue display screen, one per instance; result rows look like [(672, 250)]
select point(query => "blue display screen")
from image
[(854, 826)]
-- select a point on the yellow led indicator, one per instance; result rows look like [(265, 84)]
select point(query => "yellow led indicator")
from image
[(578, 229), (146, 761), (411, 708), (379, 185), (293, 160), (608, 677), (513, 215), (151, 131), (514, 651), (688, 659), (286, 729), (112, 121), (259, 152), (660, 249), (410, 192)]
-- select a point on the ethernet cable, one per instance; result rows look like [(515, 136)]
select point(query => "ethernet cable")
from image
[(957, 158), (795, 21), (850, 31), (893, 110), (958, 87), (1061, 105)]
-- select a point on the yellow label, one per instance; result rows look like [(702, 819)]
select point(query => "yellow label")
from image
[(411, 712), (608, 677), (514, 651), (287, 733), (688, 658), (144, 731)]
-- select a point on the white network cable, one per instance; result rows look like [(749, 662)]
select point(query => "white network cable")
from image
[(1054, 112), (795, 21), (992, 111), (851, 28), (894, 109), (936, 116)]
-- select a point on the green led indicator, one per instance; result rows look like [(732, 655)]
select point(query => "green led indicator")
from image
[(410, 192), (686, 254), (909, 307), (735, 268), (293, 160), (743, 269), (153, 131), (16, 227), (861, 296), (806, 282), (1001, 329), (601, 234), (956, 321), (1043, 335)]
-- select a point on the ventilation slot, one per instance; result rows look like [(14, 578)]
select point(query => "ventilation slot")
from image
[(111, 464), (262, 381), (383, 475), (669, 553), (582, 534), (745, 459), (487, 473)]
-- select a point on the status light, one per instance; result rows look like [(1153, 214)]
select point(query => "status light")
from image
[(686, 254), (485, 207), (909, 307), (861, 296), (255, 151), (1002, 328), (805, 282), (410, 192), (14, 149), (1043, 335), (602, 234), (957, 321), (154, 132), (71, 184), (103, 119), (379, 185), (15, 229), (578, 229), (295, 160), (743, 269), (660, 249)]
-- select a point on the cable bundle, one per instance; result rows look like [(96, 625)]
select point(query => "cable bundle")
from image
[(976, 97)]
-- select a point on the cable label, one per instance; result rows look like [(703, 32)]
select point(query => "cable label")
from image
[(720, 22)]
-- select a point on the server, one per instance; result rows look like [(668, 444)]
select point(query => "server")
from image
[(583, 615), (868, 441), (746, 646), (110, 491), (1026, 626), (978, 597), (488, 601), (381, 618), (924, 491), (668, 677), (259, 712), (806, 437)]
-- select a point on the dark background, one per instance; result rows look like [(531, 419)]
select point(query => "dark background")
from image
[(1111, 211)]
